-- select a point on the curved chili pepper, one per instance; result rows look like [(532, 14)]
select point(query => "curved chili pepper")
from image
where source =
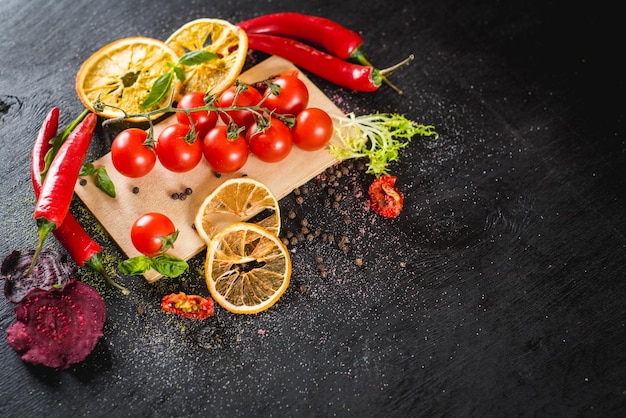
[(327, 34), (58, 187), (188, 306), (71, 235), (345, 74)]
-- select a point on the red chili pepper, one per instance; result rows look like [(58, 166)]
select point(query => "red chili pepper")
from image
[(58, 187), (70, 234), (331, 36), (353, 76), (385, 198), (325, 33), (188, 306)]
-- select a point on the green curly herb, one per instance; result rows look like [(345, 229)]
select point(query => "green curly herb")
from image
[(377, 137)]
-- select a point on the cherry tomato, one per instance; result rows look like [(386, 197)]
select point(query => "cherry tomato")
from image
[(292, 98), (130, 153), (248, 97), (224, 154), (272, 144), (175, 151), (153, 233), (203, 120), (313, 129)]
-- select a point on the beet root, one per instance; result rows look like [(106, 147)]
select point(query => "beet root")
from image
[(59, 327)]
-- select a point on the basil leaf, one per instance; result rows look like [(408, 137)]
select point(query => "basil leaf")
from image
[(87, 169), (169, 265), (158, 91), (180, 73), (197, 57), (104, 182), (135, 265)]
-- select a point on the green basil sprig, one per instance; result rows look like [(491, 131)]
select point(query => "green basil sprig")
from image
[(162, 84)]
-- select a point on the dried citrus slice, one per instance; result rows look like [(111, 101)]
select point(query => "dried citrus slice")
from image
[(235, 200), (247, 268), (122, 73), (222, 38)]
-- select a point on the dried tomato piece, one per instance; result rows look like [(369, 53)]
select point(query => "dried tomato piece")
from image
[(58, 327), (188, 306), (385, 198)]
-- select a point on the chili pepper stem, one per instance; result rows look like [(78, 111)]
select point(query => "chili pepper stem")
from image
[(44, 228), (390, 70), (95, 264), (359, 57)]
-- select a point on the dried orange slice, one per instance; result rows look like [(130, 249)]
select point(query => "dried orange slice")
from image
[(236, 200), (122, 73), (222, 38), (247, 268)]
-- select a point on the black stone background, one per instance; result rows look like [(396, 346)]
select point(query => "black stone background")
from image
[(499, 291)]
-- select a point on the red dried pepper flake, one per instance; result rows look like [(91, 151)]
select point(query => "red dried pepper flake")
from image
[(385, 198), (188, 306)]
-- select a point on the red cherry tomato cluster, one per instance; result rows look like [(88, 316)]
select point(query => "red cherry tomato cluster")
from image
[(265, 122)]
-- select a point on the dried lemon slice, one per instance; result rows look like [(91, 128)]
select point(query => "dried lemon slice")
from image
[(222, 38), (247, 268), (122, 73), (235, 200)]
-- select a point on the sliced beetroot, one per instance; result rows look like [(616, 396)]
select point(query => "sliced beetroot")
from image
[(53, 269), (58, 327)]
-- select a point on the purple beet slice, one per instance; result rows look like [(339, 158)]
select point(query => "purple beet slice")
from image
[(53, 269), (58, 327)]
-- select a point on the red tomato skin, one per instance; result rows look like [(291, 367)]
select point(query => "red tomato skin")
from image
[(203, 120), (313, 129), (271, 145), (292, 98), (224, 155), (174, 152), (130, 156), (242, 118), (146, 231)]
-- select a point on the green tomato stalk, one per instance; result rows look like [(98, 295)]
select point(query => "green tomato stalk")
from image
[(377, 137)]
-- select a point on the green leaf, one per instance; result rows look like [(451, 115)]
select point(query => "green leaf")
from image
[(135, 265), (158, 91), (197, 57), (180, 73), (87, 169), (104, 182), (377, 137), (169, 265)]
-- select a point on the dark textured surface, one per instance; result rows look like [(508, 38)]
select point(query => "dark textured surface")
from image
[(499, 291)]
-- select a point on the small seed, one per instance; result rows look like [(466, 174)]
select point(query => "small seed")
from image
[(83, 182), (299, 200), (296, 191), (135, 190), (292, 214), (188, 191), (358, 262), (304, 222)]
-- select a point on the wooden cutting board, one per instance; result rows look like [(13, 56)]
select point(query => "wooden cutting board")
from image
[(155, 190)]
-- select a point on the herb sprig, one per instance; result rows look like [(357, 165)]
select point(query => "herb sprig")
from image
[(377, 137)]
